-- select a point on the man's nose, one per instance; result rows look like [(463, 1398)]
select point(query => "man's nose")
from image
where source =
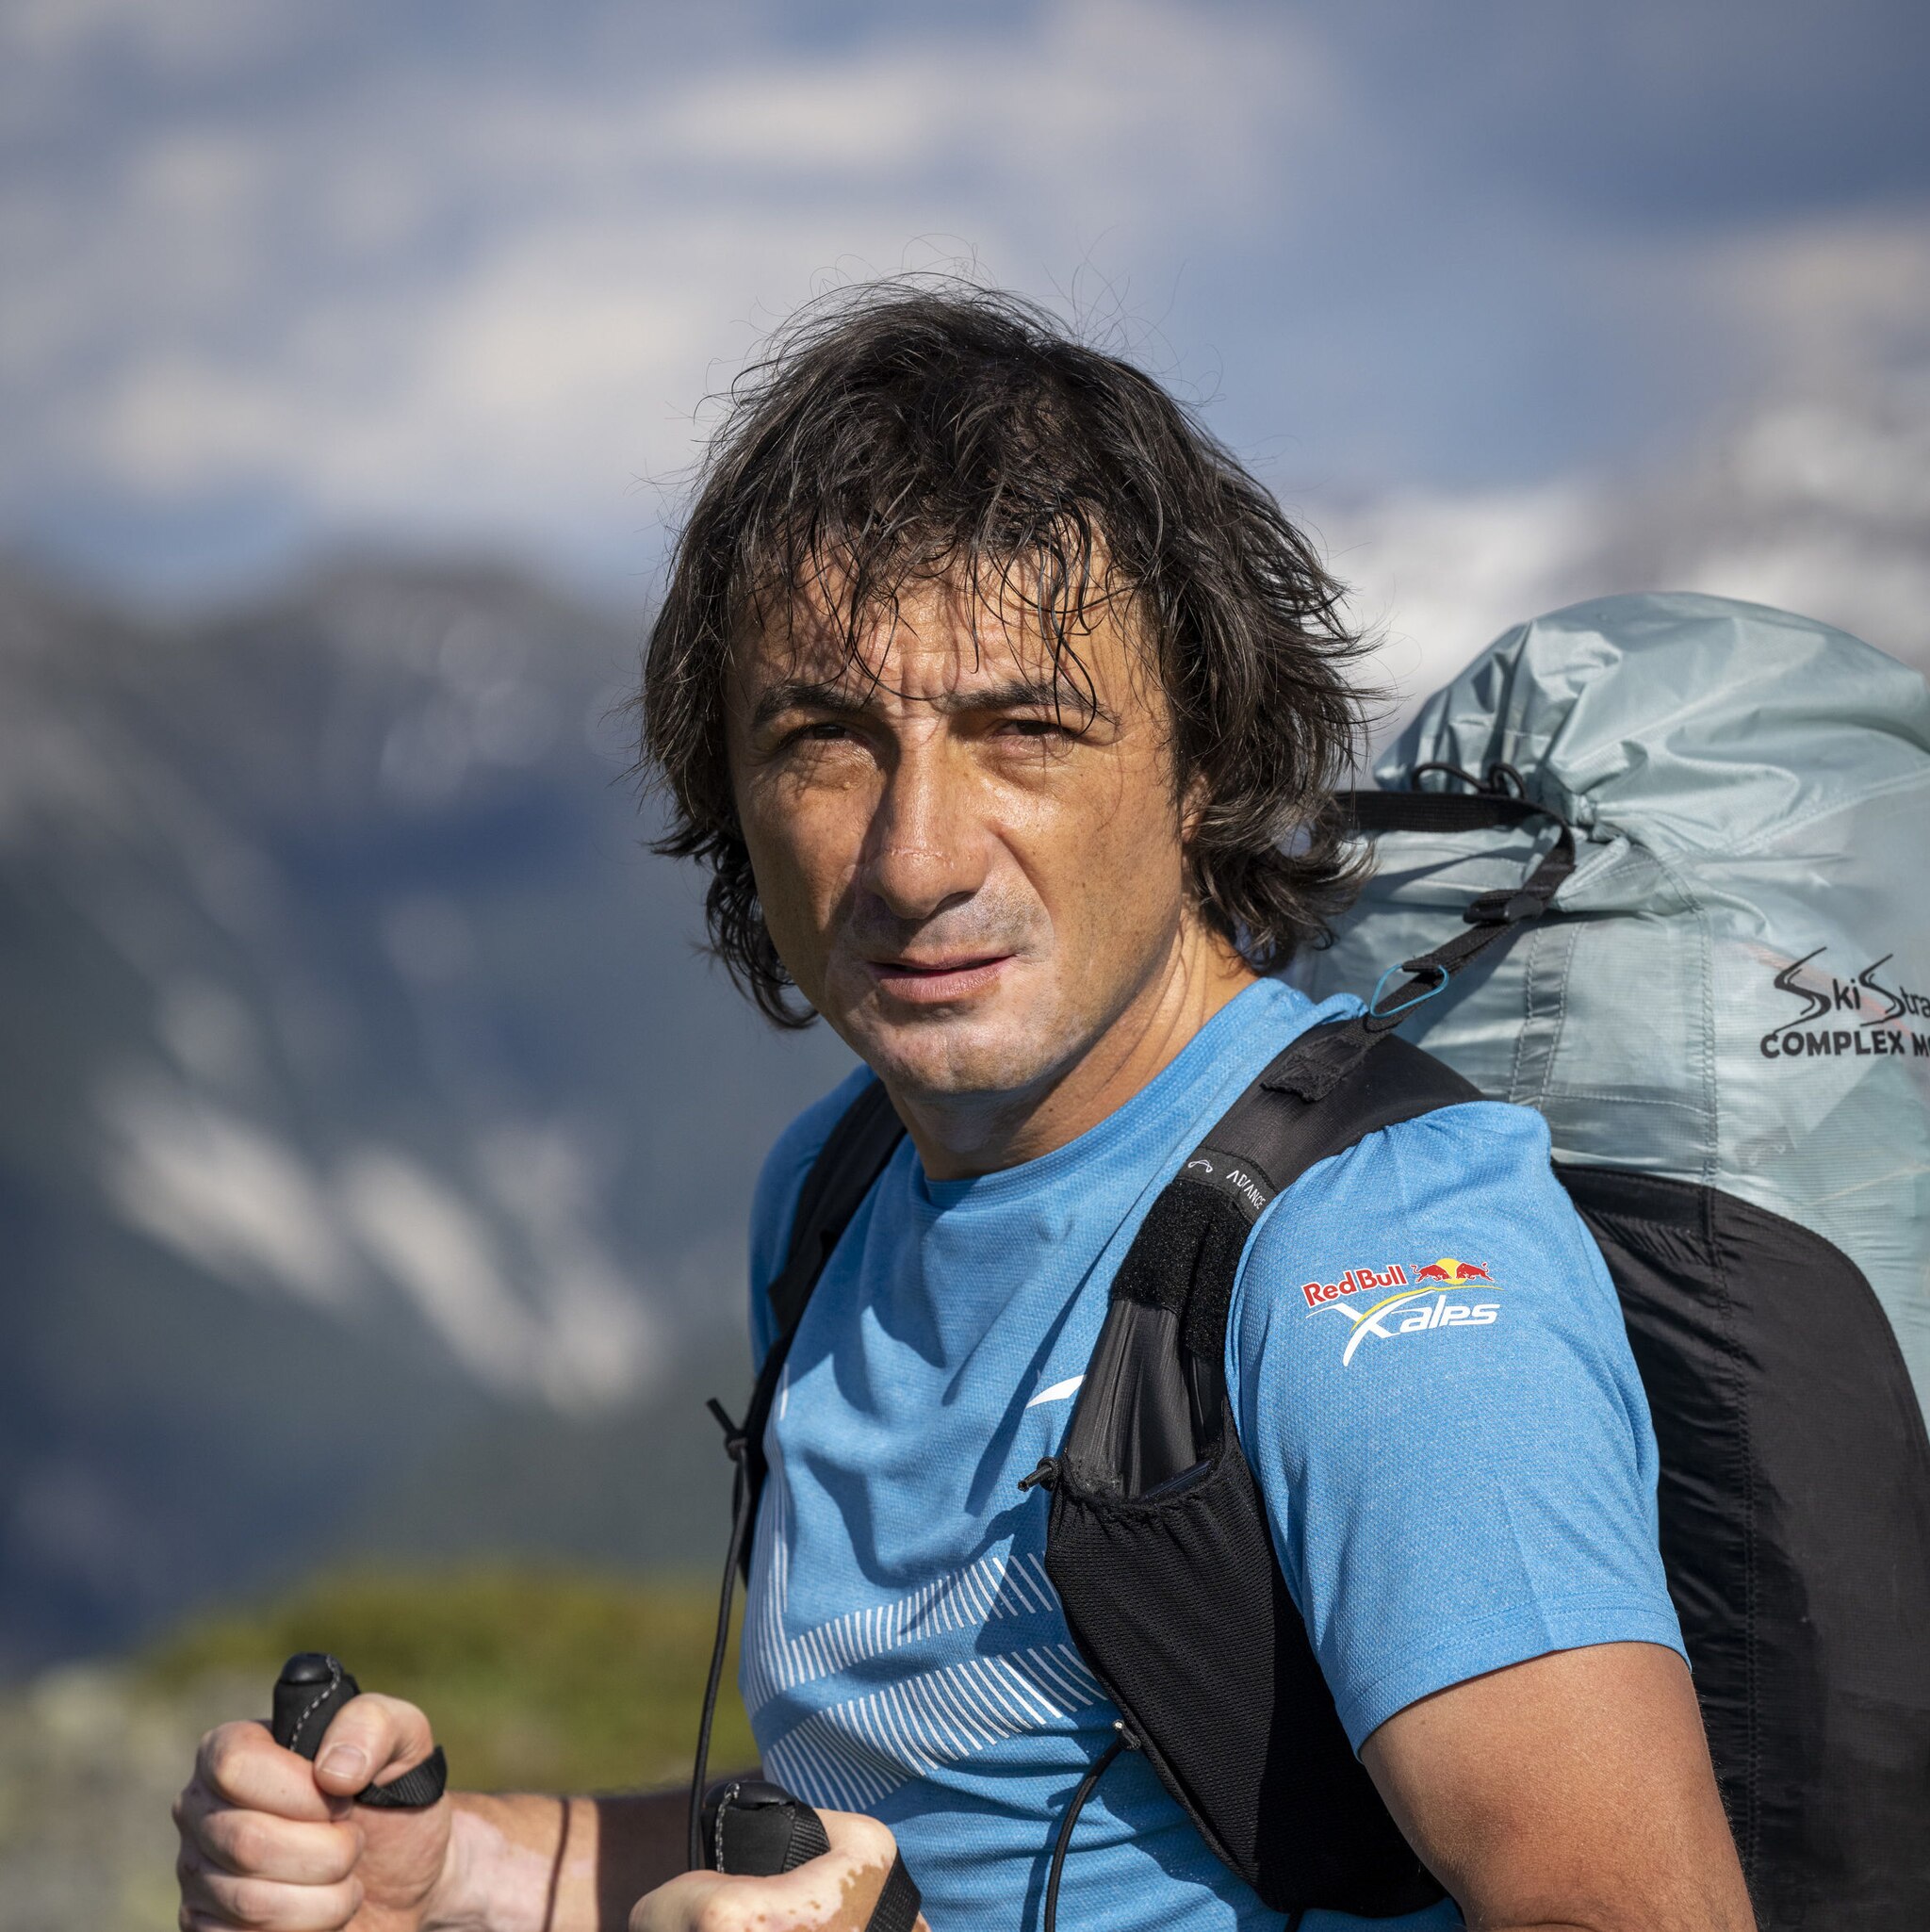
[(925, 847)]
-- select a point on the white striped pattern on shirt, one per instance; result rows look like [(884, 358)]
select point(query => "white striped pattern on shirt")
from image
[(852, 1753), (994, 1587)]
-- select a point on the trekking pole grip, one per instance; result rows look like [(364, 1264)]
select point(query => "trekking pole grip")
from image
[(313, 1686), (757, 1830)]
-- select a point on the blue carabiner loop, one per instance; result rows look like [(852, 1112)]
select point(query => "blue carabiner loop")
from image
[(1374, 1012)]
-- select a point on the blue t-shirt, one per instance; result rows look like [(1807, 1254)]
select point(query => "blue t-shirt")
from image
[(1430, 1379)]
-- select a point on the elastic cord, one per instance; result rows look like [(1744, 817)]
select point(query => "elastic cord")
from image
[(1124, 1742), (740, 1519)]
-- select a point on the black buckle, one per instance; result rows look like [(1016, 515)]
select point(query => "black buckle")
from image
[(1506, 906), (1046, 1474), (735, 1440)]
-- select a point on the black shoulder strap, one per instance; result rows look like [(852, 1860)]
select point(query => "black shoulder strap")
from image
[(1187, 1252), (1157, 1526), (853, 1156)]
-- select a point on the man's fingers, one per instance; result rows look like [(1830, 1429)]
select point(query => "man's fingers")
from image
[(832, 1893), (213, 1898), (372, 1739), (240, 1765), (273, 1843), (860, 1838), (252, 1844)]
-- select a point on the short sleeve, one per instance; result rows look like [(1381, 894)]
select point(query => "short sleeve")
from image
[(1433, 1383), (774, 1204)]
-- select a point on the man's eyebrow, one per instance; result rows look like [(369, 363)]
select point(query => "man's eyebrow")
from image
[(1054, 695), (797, 694), (1057, 695)]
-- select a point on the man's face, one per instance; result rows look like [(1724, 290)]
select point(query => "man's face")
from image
[(971, 869)]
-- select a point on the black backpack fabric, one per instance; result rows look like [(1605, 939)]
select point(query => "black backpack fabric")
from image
[(1158, 1543)]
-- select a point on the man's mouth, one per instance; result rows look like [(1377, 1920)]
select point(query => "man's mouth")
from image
[(932, 982)]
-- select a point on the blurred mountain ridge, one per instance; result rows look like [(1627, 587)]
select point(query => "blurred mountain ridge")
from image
[(358, 1060)]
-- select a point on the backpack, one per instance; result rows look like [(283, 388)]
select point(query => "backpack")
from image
[(1725, 1021), (1673, 794)]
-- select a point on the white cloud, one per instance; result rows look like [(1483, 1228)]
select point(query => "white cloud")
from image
[(491, 306), (1827, 300), (1813, 497), (1811, 453), (443, 294), (1814, 502), (1871, 590), (1436, 576), (1092, 97), (183, 36)]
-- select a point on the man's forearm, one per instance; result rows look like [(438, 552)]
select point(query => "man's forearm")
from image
[(542, 1864)]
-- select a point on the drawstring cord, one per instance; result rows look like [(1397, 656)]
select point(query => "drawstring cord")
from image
[(1502, 781), (735, 1442), (1124, 1742)]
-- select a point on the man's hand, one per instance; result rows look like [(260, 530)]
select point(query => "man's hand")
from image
[(835, 1892), (274, 1843), (1574, 1791)]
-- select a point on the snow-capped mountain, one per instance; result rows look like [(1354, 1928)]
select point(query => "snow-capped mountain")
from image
[(1818, 502)]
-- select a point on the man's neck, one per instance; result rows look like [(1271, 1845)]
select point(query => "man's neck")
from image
[(958, 1136)]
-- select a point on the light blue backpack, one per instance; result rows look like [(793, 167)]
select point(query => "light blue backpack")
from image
[(1723, 1016)]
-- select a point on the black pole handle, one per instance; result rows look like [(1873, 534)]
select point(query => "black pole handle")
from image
[(756, 1830), (313, 1686)]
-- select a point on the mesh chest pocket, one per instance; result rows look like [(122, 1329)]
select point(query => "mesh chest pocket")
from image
[(1159, 1550), (1158, 1543)]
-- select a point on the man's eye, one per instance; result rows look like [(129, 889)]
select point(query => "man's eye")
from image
[(1035, 727), (824, 730)]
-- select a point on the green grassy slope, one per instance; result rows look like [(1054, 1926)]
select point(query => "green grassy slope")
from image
[(533, 1678)]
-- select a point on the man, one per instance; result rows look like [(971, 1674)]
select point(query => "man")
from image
[(998, 703)]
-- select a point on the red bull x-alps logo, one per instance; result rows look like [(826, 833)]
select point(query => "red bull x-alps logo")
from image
[(1396, 1300)]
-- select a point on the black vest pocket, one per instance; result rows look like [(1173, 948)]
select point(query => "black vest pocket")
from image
[(1179, 1607)]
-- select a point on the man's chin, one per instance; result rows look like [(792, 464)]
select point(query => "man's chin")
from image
[(940, 1055)]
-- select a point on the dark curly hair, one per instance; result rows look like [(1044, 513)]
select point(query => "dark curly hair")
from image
[(902, 434)]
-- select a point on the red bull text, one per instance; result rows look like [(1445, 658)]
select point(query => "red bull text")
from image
[(1356, 1281)]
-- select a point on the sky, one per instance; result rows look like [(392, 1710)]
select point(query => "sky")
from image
[(462, 273)]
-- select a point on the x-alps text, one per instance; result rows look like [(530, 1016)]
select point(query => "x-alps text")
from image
[(1394, 1302)]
